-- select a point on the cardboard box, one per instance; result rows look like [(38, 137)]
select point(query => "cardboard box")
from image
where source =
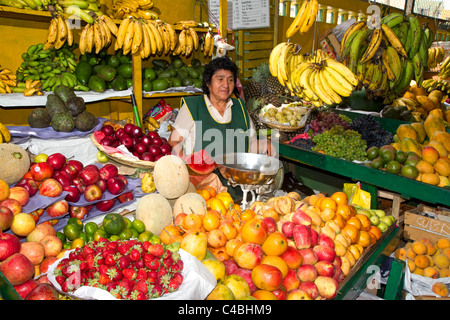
[(427, 222)]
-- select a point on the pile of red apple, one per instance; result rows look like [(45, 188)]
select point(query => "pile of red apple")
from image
[(58, 174), (147, 147)]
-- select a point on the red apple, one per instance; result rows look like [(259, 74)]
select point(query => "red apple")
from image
[(302, 236), (13, 205), (43, 291), (300, 217), (126, 141), (9, 245), (325, 240), (29, 184), (52, 245), (56, 160), (248, 255), (153, 134), (58, 209), (71, 170), (166, 148), (157, 141), (43, 279), (89, 174), (309, 256), (25, 288), (17, 269), (247, 275), (325, 268), (314, 237), (40, 231), (115, 185), (41, 171), (93, 193), (107, 141), (292, 257), (310, 288), (50, 188), (78, 182), (146, 156), (34, 251), (105, 205), (6, 218), (281, 293), (297, 294), (20, 194), (64, 178), (46, 263), (307, 272), (73, 195), (102, 184), (291, 281), (78, 212), (125, 197), (108, 171), (271, 224), (77, 164), (327, 286), (123, 178), (107, 129), (230, 266), (324, 253), (288, 229), (337, 261)]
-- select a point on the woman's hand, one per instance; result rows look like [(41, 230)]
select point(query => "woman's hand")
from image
[(263, 146)]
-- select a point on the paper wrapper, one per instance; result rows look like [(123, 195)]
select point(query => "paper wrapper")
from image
[(198, 282), (208, 180)]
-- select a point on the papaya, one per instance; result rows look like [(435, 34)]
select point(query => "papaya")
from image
[(406, 130), (442, 137), (409, 144), (427, 103), (437, 112), (447, 115), (421, 134), (433, 124)]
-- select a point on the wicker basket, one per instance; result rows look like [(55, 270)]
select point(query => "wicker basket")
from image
[(123, 159)]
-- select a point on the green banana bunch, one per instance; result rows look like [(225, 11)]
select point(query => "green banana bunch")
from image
[(439, 84)]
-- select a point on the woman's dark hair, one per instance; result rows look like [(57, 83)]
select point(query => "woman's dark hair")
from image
[(222, 63)]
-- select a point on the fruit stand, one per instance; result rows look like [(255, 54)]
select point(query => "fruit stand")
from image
[(94, 203)]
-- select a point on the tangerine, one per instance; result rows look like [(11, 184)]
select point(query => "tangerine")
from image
[(247, 215), (345, 211), (352, 232), (211, 191), (365, 221), (328, 202), (364, 239), (375, 231), (355, 221), (339, 219), (340, 197), (275, 244), (204, 193), (210, 221), (192, 221)]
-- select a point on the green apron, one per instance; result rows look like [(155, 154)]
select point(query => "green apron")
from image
[(230, 137)]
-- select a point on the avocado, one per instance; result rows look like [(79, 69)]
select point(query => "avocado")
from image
[(126, 70), (85, 121), (160, 84), (114, 61), (195, 62), (160, 63), (96, 84), (165, 74), (106, 72), (64, 93), (149, 73), (83, 72), (75, 106), (63, 122), (119, 83), (147, 85), (39, 118), (194, 74), (54, 105)]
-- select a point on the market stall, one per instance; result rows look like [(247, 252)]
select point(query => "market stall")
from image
[(97, 202)]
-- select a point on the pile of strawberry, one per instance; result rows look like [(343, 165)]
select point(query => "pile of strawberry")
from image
[(128, 269)]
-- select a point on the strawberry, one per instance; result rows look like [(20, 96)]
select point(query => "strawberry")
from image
[(173, 285), (153, 264), (114, 273), (156, 249), (124, 262), (178, 277), (60, 279), (112, 245), (126, 284), (146, 244), (162, 272), (141, 274), (151, 276), (155, 291), (123, 248), (129, 273), (109, 260), (66, 286), (104, 279), (103, 269), (141, 286), (135, 254)]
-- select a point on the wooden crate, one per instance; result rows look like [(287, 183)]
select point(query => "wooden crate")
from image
[(427, 222)]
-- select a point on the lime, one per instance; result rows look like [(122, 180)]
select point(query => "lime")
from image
[(71, 231), (90, 228), (77, 222), (410, 171), (83, 236), (77, 243), (138, 225), (145, 236), (61, 236), (114, 237), (400, 156), (372, 153), (135, 234), (377, 163), (387, 155), (128, 222), (393, 167), (154, 239), (100, 233), (90, 237), (114, 223), (125, 234), (67, 245)]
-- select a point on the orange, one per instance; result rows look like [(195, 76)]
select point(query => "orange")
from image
[(355, 221), (236, 207), (277, 262), (210, 221), (364, 239), (247, 215), (217, 204), (275, 244), (204, 193), (328, 202), (318, 202), (231, 246), (375, 231), (352, 232), (226, 198), (345, 211), (340, 197), (312, 199), (339, 219), (169, 233), (228, 229), (211, 191), (365, 221), (192, 221)]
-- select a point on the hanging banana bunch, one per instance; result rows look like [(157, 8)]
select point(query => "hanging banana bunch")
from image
[(188, 41), (59, 32), (208, 43), (8, 80), (136, 8), (97, 35), (304, 19)]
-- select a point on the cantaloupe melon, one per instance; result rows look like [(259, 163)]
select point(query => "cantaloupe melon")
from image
[(14, 162), (155, 211), (189, 203), (171, 177)]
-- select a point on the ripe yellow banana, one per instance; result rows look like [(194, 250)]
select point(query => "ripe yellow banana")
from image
[(310, 18), (194, 36), (274, 56), (172, 35), (121, 32), (336, 81), (98, 39), (305, 78), (189, 43), (146, 44), (318, 88), (348, 34), (149, 38), (82, 45), (332, 91), (110, 23), (156, 35), (342, 69), (137, 37), (208, 43), (282, 61), (385, 64), (394, 40), (299, 19), (106, 32), (128, 40), (62, 32), (4, 132), (52, 34), (69, 32), (182, 41), (373, 46), (165, 37)]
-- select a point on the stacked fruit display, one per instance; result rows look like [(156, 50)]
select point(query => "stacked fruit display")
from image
[(147, 147), (318, 79), (435, 56), (386, 59), (430, 259), (285, 248)]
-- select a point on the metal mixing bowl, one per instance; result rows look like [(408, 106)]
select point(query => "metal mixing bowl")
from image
[(248, 168)]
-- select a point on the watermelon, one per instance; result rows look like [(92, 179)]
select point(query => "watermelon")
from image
[(200, 163)]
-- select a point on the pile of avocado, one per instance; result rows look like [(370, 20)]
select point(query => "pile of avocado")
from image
[(64, 111), (104, 71)]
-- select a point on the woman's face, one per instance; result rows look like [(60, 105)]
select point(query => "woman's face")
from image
[(222, 85)]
